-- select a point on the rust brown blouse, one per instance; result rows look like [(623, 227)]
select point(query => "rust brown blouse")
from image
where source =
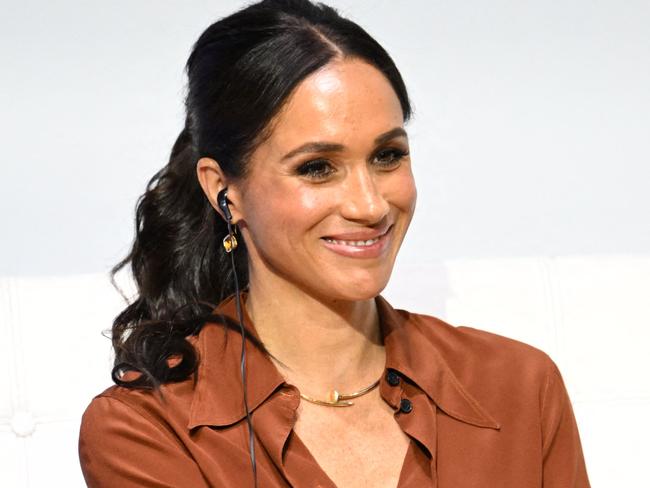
[(482, 411)]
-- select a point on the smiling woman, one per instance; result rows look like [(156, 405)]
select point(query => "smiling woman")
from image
[(347, 193), (292, 178)]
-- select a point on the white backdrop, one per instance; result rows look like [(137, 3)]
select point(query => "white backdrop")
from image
[(530, 135), (529, 144)]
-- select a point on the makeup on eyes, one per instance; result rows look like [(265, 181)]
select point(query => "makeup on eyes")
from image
[(321, 168)]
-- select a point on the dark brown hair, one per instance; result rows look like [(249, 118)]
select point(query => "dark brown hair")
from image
[(240, 72)]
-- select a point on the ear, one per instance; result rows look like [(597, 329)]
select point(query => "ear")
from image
[(212, 180)]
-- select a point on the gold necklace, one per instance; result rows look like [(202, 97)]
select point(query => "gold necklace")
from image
[(336, 399)]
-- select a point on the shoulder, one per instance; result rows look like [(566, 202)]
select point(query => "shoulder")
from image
[(120, 408), (466, 342), (172, 399), (131, 438), (476, 355), (118, 401)]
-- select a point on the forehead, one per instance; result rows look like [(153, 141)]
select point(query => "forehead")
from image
[(346, 101)]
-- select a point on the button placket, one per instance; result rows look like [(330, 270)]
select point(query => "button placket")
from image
[(405, 405), (392, 378)]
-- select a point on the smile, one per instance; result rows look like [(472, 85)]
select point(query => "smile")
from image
[(359, 248), (369, 242)]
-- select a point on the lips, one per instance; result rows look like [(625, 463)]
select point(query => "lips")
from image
[(359, 237), (371, 243)]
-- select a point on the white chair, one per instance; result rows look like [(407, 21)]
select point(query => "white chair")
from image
[(591, 314)]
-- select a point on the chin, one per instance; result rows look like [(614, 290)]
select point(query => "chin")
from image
[(361, 288)]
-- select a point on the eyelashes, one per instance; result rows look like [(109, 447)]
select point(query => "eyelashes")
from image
[(320, 169), (316, 169)]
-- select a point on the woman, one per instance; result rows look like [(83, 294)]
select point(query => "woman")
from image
[(294, 167)]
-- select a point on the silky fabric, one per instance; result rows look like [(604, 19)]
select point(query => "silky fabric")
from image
[(481, 411)]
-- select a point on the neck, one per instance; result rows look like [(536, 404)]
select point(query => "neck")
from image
[(321, 344)]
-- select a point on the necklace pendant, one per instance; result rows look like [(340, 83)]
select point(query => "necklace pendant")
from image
[(343, 403), (333, 396), (336, 399)]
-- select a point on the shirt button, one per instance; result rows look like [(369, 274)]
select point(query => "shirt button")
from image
[(393, 378), (405, 405)]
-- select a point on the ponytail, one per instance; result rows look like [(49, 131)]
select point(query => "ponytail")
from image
[(180, 270)]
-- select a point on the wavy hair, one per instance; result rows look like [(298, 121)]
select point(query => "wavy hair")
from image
[(240, 72)]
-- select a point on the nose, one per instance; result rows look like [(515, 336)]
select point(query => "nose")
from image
[(362, 199)]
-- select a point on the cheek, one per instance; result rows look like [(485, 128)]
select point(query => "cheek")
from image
[(401, 191), (285, 213), (309, 201)]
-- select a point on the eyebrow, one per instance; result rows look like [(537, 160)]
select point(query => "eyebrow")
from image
[(322, 146)]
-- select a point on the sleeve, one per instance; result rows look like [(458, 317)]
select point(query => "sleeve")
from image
[(563, 459), (118, 446)]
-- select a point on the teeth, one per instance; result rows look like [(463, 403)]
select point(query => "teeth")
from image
[(369, 242)]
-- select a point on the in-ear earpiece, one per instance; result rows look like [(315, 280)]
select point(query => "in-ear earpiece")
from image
[(230, 244), (222, 201)]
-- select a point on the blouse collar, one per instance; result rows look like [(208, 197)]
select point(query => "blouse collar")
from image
[(413, 349)]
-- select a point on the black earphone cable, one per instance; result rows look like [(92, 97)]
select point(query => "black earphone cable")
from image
[(251, 435)]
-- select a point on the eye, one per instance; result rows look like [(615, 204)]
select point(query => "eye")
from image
[(318, 169), (390, 157)]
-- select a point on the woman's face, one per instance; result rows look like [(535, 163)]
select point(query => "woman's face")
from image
[(330, 194)]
